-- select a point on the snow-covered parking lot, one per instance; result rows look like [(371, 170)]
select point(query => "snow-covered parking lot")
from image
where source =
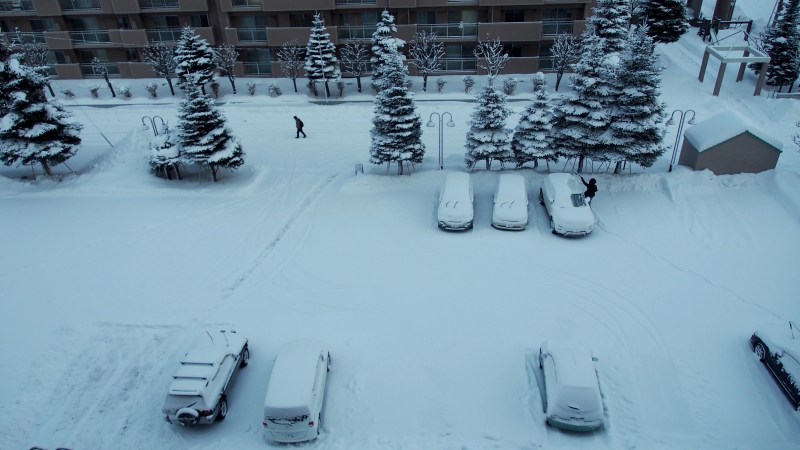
[(111, 274)]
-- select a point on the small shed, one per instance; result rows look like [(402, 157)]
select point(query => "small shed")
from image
[(726, 145)]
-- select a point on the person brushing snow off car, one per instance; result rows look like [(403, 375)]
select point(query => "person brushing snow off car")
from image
[(591, 189)]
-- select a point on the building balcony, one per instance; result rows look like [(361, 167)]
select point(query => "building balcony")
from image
[(512, 31), (460, 65), (238, 4), (37, 38), (164, 35), (80, 5), (91, 38), (57, 40), (16, 6), (451, 30), (158, 4), (251, 35), (280, 35), (257, 68), (552, 28), (357, 32), (90, 70)]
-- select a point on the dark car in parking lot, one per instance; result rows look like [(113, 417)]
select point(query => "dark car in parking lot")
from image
[(778, 347)]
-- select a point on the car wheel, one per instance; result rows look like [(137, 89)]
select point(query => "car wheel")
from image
[(223, 409), (760, 350), (541, 197), (245, 357)]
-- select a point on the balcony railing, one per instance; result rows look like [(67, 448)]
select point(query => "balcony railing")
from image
[(16, 5), (356, 31), (555, 27), (252, 34), (257, 68), (459, 64), (30, 37), (355, 2), (545, 63), (79, 5), (89, 37), (248, 3), (89, 70), (158, 4), (450, 30), (166, 35)]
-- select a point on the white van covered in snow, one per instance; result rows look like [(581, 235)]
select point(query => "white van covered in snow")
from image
[(295, 392), (455, 211)]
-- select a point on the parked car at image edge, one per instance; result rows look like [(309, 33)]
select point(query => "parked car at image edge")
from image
[(571, 399), (510, 210), (197, 393), (778, 347), (296, 392), (562, 197), (455, 212)]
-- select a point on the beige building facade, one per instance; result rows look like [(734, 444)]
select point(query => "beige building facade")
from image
[(116, 31)]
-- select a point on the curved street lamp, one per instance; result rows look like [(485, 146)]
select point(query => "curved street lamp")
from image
[(450, 123), (681, 119)]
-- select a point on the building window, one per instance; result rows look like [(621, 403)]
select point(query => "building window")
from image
[(466, 16), (123, 23), (514, 15), (41, 25), (426, 17), (199, 20), (513, 50), (251, 22), (557, 14), (256, 61), (132, 55), (301, 20), (164, 22), (84, 24)]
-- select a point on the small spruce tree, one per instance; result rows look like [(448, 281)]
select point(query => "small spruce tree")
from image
[(532, 139), (321, 61), (384, 47), (667, 20), (488, 138), (194, 57), (780, 42)]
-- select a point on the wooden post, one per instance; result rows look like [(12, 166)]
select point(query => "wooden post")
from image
[(762, 75), (720, 74), (742, 66), (703, 66)]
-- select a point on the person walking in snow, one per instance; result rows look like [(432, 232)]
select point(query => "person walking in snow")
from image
[(299, 124), (591, 189)]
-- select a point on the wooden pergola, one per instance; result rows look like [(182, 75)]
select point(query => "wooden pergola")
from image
[(744, 55)]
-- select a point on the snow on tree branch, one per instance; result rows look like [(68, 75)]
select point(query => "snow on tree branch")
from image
[(225, 58), (291, 58), (426, 55), (162, 58), (491, 57), (355, 59)]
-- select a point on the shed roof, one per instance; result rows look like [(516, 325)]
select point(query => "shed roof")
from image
[(723, 127)]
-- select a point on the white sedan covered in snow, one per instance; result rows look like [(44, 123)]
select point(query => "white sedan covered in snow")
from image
[(571, 398), (562, 197), (197, 393)]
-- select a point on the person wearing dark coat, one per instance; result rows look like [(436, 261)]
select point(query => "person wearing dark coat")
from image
[(299, 124), (591, 189)]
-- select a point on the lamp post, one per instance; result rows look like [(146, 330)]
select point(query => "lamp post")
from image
[(681, 119), (450, 123)]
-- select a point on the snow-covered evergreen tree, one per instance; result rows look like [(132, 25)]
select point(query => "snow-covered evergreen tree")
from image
[(225, 59), (667, 20), (583, 118), (384, 48), (611, 20), (638, 129), (194, 57), (533, 139), (397, 128), (162, 58), (204, 136), (488, 138), (780, 43), (32, 129), (321, 61)]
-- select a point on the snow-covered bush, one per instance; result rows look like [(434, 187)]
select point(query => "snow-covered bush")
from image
[(251, 88), (440, 82), (151, 89), (469, 82), (164, 154), (94, 91), (274, 90), (68, 93), (125, 91), (509, 86), (539, 81)]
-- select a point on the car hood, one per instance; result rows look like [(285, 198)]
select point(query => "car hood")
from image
[(574, 219), (455, 211), (511, 211)]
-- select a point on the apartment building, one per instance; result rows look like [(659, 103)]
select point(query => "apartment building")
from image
[(115, 31)]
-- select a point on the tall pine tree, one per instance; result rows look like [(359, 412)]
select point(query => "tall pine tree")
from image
[(638, 129), (321, 62), (488, 138), (203, 133), (384, 47), (397, 128), (194, 57), (532, 139), (667, 20), (780, 42), (32, 129), (611, 20)]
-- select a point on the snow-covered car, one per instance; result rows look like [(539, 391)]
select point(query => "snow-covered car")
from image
[(197, 393), (571, 398), (778, 347), (455, 211), (562, 197), (510, 210), (296, 392)]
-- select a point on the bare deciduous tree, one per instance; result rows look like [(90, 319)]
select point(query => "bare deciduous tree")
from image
[(34, 55), (225, 59), (426, 55), (355, 59), (565, 51), (491, 57), (101, 68), (292, 58), (162, 58)]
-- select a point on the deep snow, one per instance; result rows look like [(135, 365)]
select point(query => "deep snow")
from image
[(110, 274)]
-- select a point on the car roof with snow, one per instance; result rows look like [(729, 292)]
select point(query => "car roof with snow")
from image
[(291, 382), (200, 365), (574, 366)]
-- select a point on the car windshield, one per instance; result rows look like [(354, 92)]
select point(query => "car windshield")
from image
[(578, 200)]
